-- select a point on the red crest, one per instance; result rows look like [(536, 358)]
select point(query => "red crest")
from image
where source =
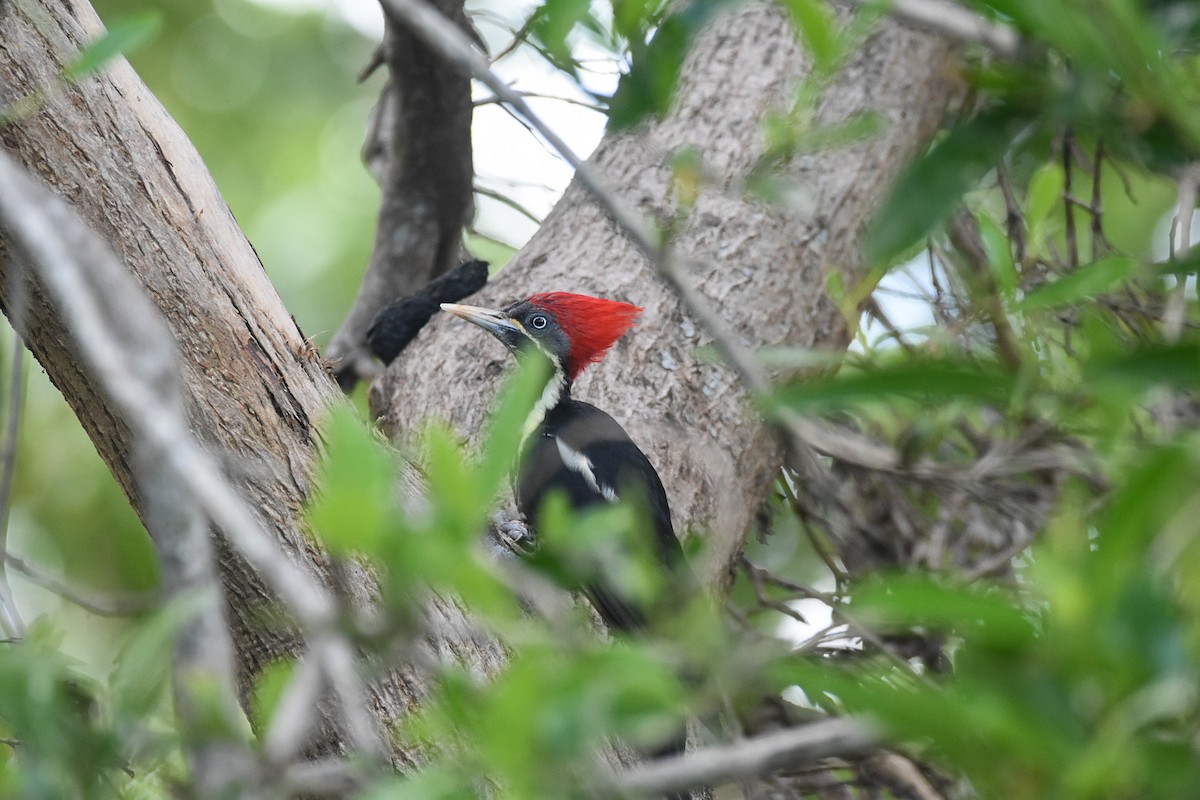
[(592, 324)]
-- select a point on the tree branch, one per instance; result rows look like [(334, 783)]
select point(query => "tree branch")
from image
[(419, 149), (786, 749), (952, 20)]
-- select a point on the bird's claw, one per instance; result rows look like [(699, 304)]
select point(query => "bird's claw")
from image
[(514, 534)]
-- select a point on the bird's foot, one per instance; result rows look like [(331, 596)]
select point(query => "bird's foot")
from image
[(513, 533)]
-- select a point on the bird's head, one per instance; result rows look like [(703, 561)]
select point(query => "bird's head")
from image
[(572, 330)]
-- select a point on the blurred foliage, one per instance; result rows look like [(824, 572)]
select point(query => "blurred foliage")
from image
[(1029, 631), (532, 732)]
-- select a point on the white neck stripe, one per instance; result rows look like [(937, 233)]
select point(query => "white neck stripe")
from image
[(555, 388)]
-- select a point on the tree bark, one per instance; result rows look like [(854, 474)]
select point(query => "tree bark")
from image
[(419, 149), (253, 385), (765, 266)]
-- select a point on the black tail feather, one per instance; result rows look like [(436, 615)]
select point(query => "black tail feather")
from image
[(399, 322)]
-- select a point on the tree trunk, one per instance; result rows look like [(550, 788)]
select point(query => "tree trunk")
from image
[(765, 266), (254, 386)]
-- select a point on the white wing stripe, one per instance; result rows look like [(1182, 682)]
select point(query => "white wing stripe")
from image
[(578, 462)]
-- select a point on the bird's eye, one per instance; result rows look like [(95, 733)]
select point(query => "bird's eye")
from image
[(538, 322)]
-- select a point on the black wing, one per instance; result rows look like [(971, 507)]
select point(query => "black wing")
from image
[(583, 453)]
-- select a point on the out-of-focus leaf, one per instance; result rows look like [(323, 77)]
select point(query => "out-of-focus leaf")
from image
[(440, 782), (144, 664), (122, 37), (459, 499), (268, 690), (607, 544), (506, 427), (1170, 365), (56, 715), (1086, 281), (1155, 486), (648, 87), (933, 187), (986, 617), (927, 380), (999, 252), (646, 90), (816, 24), (553, 21), (354, 504), (1134, 202), (635, 19), (1045, 191)]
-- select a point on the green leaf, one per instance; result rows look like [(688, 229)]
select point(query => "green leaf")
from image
[(933, 187), (998, 248), (143, 666), (1087, 281), (1146, 367), (506, 427), (983, 616), (920, 379), (460, 500), (649, 86), (354, 504), (634, 20), (1045, 191), (553, 21), (122, 37), (816, 24), (268, 691)]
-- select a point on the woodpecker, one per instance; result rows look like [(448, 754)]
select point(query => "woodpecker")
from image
[(571, 446), (576, 449)]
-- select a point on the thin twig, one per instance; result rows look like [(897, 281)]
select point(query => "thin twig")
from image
[(822, 548), (519, 36), (875, 310), (1097, 207), (748, 758), (1068, 148), (591, 105), (956, 22), (108, 604), (1014, 219), (508, 201), (13, 625)]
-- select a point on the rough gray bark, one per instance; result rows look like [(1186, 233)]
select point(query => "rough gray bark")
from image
[(419, 150), (766, 267), (252, 384)]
